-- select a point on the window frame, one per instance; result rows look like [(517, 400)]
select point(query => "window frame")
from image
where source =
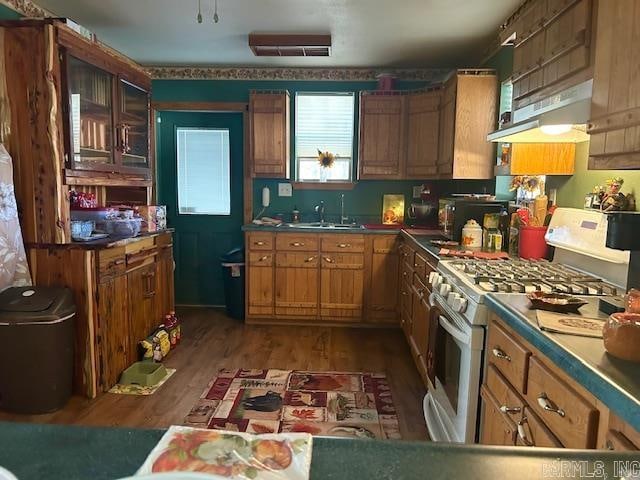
[(200, 128), (353, 159)]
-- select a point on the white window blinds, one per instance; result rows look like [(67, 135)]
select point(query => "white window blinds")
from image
[(324, 121), (204, 183)]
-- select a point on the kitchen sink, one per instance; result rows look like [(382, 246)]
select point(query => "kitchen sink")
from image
[(320, 225)]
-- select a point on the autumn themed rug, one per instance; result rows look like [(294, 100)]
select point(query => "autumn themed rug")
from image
[(340, 404)]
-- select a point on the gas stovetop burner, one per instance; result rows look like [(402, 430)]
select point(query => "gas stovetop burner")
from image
[(525, 276)]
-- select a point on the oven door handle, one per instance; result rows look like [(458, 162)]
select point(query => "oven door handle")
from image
[(454, 331)]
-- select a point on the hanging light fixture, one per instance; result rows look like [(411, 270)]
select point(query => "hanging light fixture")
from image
[(216, 18), (199, 17)]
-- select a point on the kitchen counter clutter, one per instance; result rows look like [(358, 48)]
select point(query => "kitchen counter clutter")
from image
[(614, 382), (80, 453)]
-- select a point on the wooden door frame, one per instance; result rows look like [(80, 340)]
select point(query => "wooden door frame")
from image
[(218, 107)]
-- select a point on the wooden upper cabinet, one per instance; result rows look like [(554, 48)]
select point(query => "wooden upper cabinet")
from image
[(269, 113), (615, 105), (467, 115), (382, 136), (552, 48), (423, 134)]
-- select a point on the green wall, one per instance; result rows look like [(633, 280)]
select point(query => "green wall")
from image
[(364, 201), (7, 14), (572, 190)]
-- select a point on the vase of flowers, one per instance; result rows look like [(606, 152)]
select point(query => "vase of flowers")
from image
[(326, 161)]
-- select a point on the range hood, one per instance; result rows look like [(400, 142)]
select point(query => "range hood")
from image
[(561, 118)]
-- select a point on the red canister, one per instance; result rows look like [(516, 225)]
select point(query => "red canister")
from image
[(532, 244)]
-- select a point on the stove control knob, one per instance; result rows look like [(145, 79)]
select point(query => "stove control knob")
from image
[(453, 299), (445, 289), (437, 280), (463, 305), (432, 276)]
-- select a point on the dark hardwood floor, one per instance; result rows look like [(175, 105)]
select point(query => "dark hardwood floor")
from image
[(212, 341)]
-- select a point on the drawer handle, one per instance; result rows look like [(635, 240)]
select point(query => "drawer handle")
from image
[(310, 259), (404, 274), (262, 259), (421, 292), (328, 260), (548, 406), (260, 243), (296, 244), (344, 245), (506, 409), (405, 293), (500, 354), (609, 445), (523, 434), (415, 265), (115, 263)]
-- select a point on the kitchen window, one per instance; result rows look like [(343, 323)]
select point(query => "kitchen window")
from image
[(324, 121), (204, 182)]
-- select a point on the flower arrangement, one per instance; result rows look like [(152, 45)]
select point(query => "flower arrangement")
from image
[(528, 184), (326, 159)]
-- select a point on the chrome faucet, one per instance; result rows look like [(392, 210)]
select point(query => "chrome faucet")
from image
[(343, 218), (320, 211)]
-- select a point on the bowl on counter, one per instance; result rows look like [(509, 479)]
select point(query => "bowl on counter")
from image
[(621, 334), (98, 214), (555, 302), (81, 229), (123, 227)]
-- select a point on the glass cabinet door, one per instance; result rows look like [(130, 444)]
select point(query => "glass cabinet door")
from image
[(134, 126), (90, 104)]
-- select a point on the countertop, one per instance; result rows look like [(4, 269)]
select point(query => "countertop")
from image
[(108, 242), (252, 227), (56, 452), (613, 381)]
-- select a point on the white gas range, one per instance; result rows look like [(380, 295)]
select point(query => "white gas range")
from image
[(582, 265)]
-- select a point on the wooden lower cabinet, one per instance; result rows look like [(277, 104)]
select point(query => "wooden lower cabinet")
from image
[(113, 330), (341, 285), (311, 278), (296, 284), (121, 295), (524, 388)]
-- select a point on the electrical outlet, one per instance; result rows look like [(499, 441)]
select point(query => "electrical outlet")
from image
[(285, 190), (417, 191)]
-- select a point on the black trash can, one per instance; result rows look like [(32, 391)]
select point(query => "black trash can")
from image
[(233, 276), (36, 348)]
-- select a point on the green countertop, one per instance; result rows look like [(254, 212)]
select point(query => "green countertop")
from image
[(284, 229), (613, 381), (55, 452)]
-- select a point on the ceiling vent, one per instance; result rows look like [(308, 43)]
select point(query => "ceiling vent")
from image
[(290, 45)]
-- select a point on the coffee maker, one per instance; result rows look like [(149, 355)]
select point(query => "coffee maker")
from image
[(623, 230), (424, 214)]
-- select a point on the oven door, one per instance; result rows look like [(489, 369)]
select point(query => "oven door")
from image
[(453, 366)]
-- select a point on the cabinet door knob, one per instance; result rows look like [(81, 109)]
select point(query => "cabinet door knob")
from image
[(500, 354), (310, 259), (344, 245), (328, 260), (296, 244), (548, 406), (259, 244), (263, 259)]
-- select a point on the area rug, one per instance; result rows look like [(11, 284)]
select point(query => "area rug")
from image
[(132, 389), (340, 404)]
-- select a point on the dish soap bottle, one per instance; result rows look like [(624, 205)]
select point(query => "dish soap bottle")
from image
[(295, 215)]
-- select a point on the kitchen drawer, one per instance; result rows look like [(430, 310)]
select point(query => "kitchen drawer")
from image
[(407, 254), (141, 252), (509, 402), (616, 441), (342, 243), (573, 419), (111, 262), (532, 432), (260, 259), (297, 260), (419, 286), (508, 355), (296, 242), (497, 428), (406, 273), (344, 261), (420, 266), (622, 431), (260, 241), (164, 239)]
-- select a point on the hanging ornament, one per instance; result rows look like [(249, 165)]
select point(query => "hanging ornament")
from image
[(199, 17), (216, 18)]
